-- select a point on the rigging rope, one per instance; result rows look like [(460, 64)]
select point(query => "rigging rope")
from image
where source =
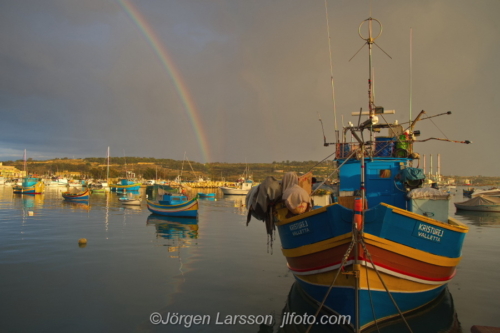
[(439, 128), (331, 65), (368, 255)]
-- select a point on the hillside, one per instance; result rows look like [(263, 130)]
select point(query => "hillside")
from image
[(152, 168)]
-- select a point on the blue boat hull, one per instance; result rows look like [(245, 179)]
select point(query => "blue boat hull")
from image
[(416, 257), (186, 209)]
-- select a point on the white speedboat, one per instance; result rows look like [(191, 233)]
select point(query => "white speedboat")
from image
[(239, 189)]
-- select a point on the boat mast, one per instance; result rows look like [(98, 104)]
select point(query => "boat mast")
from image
[(24, 167), (107, 169)]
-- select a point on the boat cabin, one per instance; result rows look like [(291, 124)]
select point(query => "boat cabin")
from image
[(382, 181), (29, 181), (173, 199)]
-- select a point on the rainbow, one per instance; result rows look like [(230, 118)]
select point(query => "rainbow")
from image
[(174, 74)]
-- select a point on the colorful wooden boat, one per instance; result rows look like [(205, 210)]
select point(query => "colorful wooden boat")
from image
[(386, 246), (125, 185), (174, 204), (76, 195), (30, 185)]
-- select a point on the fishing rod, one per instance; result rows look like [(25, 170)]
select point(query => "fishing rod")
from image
[(436, 115), (447, 140)]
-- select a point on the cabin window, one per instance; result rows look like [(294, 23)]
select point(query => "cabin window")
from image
[(175, 198), (385, 173)]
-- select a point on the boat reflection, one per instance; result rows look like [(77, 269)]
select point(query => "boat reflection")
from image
[(238, 202), (438, 316), (74, 205), (171, 227), (30, 201), (479, 218)]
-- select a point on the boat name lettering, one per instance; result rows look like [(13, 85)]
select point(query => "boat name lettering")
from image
[(299, 228), (428, 232), (299, 225)]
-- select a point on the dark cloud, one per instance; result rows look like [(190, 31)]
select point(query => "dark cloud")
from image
[(78, 76)]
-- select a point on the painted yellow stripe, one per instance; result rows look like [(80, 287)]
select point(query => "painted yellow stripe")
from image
[(411, 252), (318, 247), (305, 215), (375, 241), (393, 283), (454, 226)]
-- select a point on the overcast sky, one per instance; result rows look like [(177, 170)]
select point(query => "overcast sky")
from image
[(239, 80)]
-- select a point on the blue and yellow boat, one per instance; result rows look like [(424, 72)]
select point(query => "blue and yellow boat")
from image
[(76, 195), (174, 204), (125, 185), (386, 246), (30, 185)]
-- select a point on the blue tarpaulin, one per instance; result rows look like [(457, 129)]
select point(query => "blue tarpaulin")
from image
[(410, 174)]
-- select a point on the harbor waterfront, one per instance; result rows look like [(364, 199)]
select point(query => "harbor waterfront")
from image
[(136, 264)]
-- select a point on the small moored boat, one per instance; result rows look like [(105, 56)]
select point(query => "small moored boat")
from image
[(125, 185), (75, 195), (174, 204), (166, 201), (481, 203), (29, 185), (239, 189)]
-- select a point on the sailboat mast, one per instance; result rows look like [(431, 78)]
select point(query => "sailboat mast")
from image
[(107, 169), (25, 171)]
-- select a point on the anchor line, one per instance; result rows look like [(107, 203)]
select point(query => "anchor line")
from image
[(368, 255), (370, 295), (344, 260)]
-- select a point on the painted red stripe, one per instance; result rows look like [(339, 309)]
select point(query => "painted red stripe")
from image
[(379, 265)]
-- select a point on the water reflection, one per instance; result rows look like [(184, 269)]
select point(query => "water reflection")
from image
[(479, 218), (30, 201), (174, 228), (238, 202), (74, 205), (438, 316)]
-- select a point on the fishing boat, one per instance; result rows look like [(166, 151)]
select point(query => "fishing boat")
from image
[(468, 193), (168, 203), (29, 185), (75, 195), (241, 188), (480, 203), (125, 185), (386, 246)]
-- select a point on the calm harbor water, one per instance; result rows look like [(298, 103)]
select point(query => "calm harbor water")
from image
[(136, 264)]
